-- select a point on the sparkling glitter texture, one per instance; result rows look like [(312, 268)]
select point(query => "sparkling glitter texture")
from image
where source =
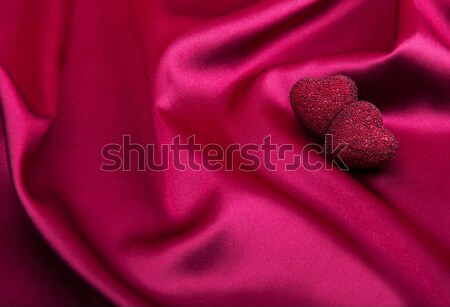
[(359, 125), (317, 102)]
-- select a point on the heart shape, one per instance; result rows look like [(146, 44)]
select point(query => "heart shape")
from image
[(369, 143), (316, 102)]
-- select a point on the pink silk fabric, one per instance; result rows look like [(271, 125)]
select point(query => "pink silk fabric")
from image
[(76, 75)]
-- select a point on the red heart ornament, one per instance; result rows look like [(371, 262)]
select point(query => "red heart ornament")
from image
[(316, 102), (360, 126)]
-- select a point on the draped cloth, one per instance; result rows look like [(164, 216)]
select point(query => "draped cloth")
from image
[(76, 75)]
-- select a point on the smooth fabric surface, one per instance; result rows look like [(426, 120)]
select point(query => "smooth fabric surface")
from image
[(76, 75)]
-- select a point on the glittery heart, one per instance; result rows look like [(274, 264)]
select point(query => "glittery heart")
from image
[(360, 126), (317, 101)]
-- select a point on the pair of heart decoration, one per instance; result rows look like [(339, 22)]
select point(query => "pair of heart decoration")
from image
[(330, 107)]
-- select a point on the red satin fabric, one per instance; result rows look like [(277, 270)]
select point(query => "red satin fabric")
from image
[(76, 75)]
